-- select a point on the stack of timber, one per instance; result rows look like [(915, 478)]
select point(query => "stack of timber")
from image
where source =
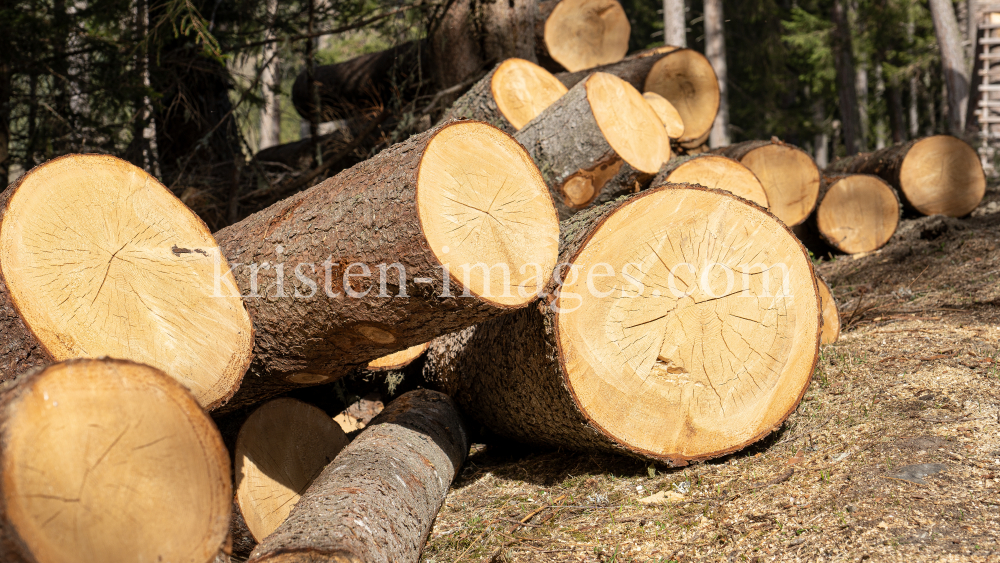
[(939, 175), (789, 175), (599, 141), (716, 172), (649, 347), (110, 461)]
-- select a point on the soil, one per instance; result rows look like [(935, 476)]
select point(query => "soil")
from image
[(893, 455)]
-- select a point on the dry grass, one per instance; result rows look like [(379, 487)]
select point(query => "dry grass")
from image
[(914, 379)]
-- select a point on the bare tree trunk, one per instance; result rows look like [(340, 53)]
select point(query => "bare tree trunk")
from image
[(879, 116), (313, 87), (844, 59), (715, 50), (895, 98), (674, 23), (822, 139), (956, 73), (270, 114), (861, 87)]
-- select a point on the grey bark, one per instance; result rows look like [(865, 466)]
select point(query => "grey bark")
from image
[(715, 51), (953, 65), (674, 23), (632, 69)]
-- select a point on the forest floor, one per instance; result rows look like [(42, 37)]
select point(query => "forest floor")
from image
[(893, 455)]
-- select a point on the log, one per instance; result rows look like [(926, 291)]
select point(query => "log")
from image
[(281, 448), (99, 259), (650, 348), (601, 130), (684, 77), (672, 120), (510, 96), (582, 34), (716, 172), (789, 176), (377, 502), (856, 213), (398, 360), (111, 461), (939, 175), (420, 235), (831, 315)]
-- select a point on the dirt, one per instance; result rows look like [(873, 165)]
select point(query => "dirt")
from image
[(913, 381)]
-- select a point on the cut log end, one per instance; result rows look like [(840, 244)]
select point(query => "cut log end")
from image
[(721, 173), (858, 213), (523, 89), (942, 175), (707, 339), (790, 178), (486, 213), (686, 79), (628, 122), (399, 359), (668, 114), (102, 260), (281, 448), (831, 316), (581, 34), (107, 460)]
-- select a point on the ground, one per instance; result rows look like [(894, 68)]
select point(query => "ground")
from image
[(914, 379)]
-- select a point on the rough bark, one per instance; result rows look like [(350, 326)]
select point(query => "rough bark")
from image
[(632, 69), (377, 501), (674, 23), (956, 72), (846, 88), (365, 215), (478, 103), (545, 60), (715, 50)]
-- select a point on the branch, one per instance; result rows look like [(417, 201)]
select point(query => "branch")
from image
[(342, 29)]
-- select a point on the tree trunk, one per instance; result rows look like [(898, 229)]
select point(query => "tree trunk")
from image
[(378, 259), (683, 76), (856, 213), (6, 75), (831, 316), (821, 140), (610, 364), (715, 51), (270, 113), (581, 34), (789, 176), (846, 88), (99, 259), (600, 129), (109, 460), (956, 73), (716, 172), (674, 23), (861, 87), (935, 175), (896, 121), (378, 501), (510, 96)]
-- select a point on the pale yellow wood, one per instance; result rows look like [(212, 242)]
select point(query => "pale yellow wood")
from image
[(523, 89), (114, 462), (719, 172), (487, 213), (689, 365), (628, 122), (399, 359), (280, 449), (102, 260), (831, 316), (582, 34), (942, 175), (667, 113), (686, 79), (859, 213), (790, 178)]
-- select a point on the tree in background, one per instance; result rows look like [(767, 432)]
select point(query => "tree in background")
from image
[(715, 50), (674, 23), (956, 71)]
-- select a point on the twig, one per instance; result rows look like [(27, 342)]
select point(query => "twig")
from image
[(341, 29), (519, 524)]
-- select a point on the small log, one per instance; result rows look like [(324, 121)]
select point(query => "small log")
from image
[(789, 176), (377, 501), (939, 175), (399, 249), (582, 34), (716, 172), (510, 96), (672, 120), (831, 315), (856, 213), (99, 259), (111, 461), (281, 448), (599, 131), (673, 338)]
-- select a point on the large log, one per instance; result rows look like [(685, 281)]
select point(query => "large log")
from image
[(98, 259), (601, 135), (939, 175), (510, 96), (856, 213), (581, 34), (789, 176), (687, 328), (399, 249), (377, 501), (683, 76), (716, 172), (110, 461)]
